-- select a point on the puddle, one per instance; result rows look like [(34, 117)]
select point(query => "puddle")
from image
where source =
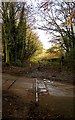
[(57, 92), (55, 88)]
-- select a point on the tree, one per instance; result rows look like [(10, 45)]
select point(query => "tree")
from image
[(19, 42), (33, 44), (5, 32), (12, 31), (54, 17), (21, 34)]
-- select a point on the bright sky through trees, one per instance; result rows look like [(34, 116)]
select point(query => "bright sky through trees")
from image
[(43, 36)]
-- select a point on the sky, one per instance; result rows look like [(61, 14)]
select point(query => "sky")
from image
[(43, 37)]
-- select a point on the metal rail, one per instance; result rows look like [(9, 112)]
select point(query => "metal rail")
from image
[(11, 84), (36, 91), (39, 90), (8, 84)]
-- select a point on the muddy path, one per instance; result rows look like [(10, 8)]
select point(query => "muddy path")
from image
[(55, 99)]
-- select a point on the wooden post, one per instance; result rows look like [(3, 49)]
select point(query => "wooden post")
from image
[(36, 94)]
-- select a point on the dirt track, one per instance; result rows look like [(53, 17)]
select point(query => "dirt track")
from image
[(19, 99)]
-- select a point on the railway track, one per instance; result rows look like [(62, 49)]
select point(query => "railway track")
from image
[(35, 88), (45, 86), (40, 88)]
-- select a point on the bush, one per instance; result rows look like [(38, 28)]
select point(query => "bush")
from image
[(55, 60), (69, 62), (17, 63)]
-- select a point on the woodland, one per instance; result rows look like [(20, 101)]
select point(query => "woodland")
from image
[(19, 41)]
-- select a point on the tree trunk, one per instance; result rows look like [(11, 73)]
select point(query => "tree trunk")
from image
[(7, 53)]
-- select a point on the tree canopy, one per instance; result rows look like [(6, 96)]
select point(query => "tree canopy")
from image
[(19, 41), (57, 18)]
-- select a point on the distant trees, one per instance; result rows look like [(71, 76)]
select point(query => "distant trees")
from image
[(56, 49), (18, 40), (33, 43)]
